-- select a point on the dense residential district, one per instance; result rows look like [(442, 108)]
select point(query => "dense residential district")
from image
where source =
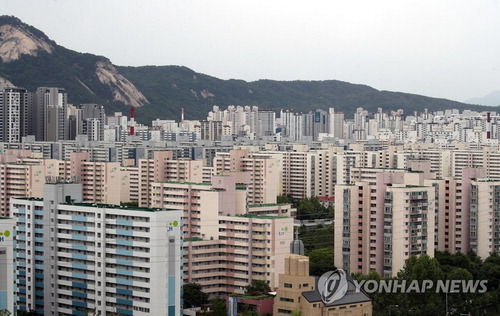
[(242, 212)]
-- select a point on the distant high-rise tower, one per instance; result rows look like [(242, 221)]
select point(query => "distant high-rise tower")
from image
[(15, 106), (50, 114), (93, 117)]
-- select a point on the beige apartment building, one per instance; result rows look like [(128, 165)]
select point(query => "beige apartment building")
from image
[(264, 173), (25, 177), (247, 247), (381, 219), (453, 210), (202, 203), (485, 217), (227, 243), (298, 172), (19, 180), (162, 168)]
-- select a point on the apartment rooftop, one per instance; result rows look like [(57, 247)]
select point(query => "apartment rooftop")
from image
[(113, 206), (268, 205), (190, 183), (99, 205), (261, 216), (29, 198), (193, 239)]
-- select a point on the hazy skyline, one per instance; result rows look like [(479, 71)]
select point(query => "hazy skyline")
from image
[(446, 49)]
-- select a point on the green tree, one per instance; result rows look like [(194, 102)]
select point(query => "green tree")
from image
[(490, 271), (317, 237), (193, 295), (284, 199), (218, 307), (419, 269), (311, 208), (383, 303), (461, 302), (258, 287), (321, 261)]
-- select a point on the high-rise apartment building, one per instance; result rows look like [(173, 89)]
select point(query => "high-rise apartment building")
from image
[(72, 257), (485, 217), (163, 168), (15, 107), (298, 175), (266, 124), (227, 244), (245, 248), (382, 219), (210, 130), (19, 180), (7, 232), (93, 119), (263, 173), (50, 114)]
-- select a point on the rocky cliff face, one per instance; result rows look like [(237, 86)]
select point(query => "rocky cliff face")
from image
[(16, 41), (123, 90), (4, 83), (100, 80)]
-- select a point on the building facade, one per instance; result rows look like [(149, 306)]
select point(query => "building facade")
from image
[(73, 257)]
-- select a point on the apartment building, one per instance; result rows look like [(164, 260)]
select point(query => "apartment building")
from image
[(15, 105), (264, 173), (298, 171), (161, 168), (453, 210), (227, 243), (19, 180), (7, 234), (383, 219), (247, 247), (485, 216), (72, 257), (101, 180), (202, 203), (325, 173)]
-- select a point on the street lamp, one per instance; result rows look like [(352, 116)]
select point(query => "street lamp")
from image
[(391, 306)]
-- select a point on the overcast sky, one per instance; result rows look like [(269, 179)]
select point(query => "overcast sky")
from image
[(438, 48)]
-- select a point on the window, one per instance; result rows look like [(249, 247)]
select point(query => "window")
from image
[(288, 285)]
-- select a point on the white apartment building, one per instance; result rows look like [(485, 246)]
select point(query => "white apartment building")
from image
[(72, 257)]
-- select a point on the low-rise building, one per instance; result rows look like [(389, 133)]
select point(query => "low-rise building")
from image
[(298, 292)]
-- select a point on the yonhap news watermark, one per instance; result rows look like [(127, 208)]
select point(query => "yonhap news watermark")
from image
[(422, 286), (334, 285)]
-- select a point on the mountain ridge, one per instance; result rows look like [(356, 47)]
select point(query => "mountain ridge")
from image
[(160, 91), (491, 99)]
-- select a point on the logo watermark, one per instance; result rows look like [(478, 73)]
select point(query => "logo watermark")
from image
[(423, 286), (5, 233), (334, 285)]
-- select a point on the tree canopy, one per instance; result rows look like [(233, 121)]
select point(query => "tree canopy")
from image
[(193, 295), (444, 266), (258, 287)]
